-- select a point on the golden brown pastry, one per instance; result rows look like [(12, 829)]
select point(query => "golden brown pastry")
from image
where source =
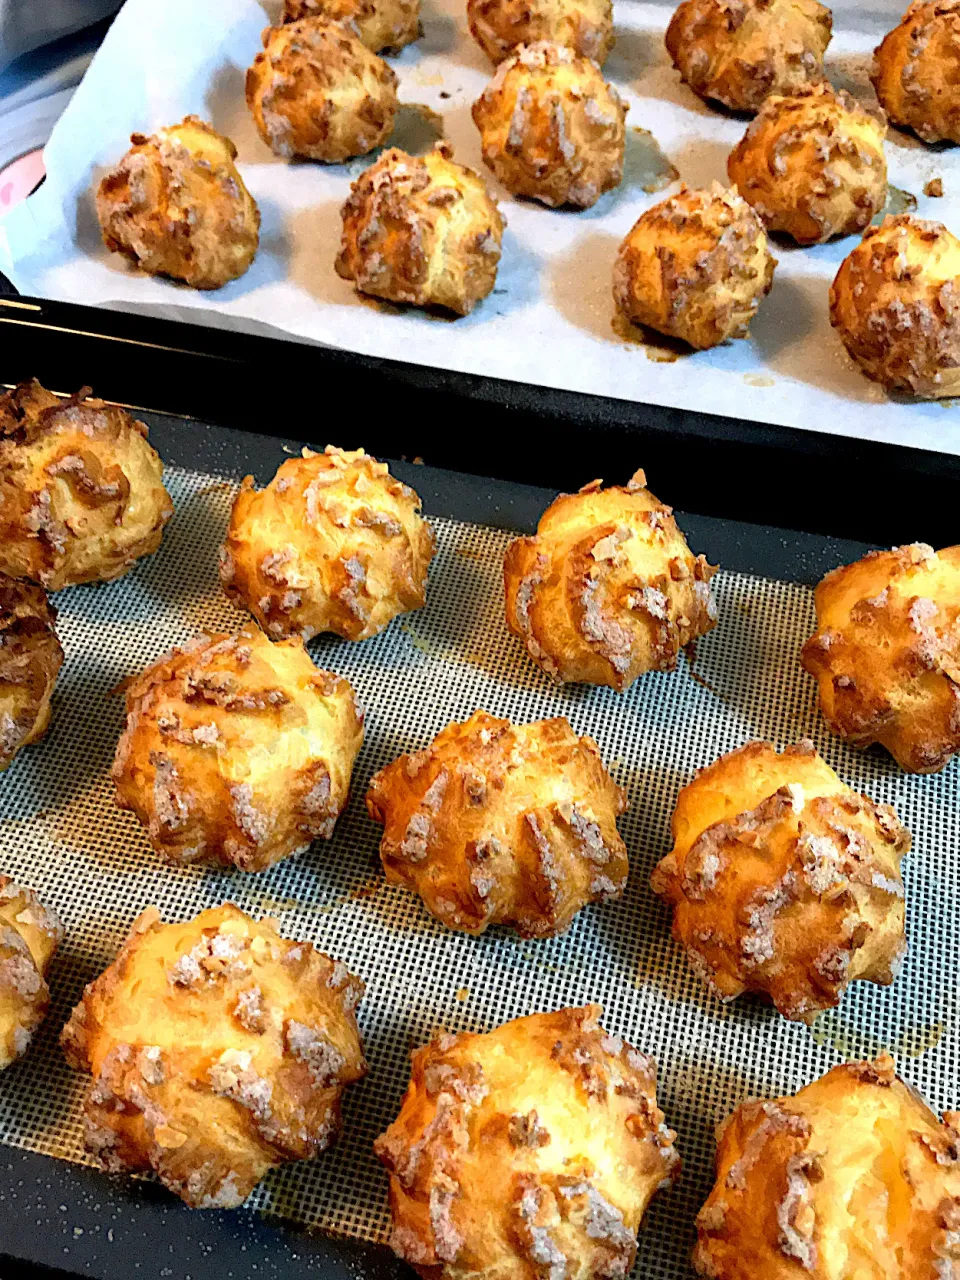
[(696, 266), (218, 1050), (886, 653), (81, 490), (608, 589), (895, 303), (176, 206), (422, 230), (29, 936), (916, 71), (315, 90), (784, 881), (30, 660), (496, 823), (852, 1178), (237, 751), (551, 128), (531, 1151), (500, 26), (333, 543), (378, 24), (736, 52), (812, 165)]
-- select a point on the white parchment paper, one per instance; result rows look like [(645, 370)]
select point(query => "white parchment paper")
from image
[(550, 319)]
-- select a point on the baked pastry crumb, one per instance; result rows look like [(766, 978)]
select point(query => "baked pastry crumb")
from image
[(30, 660), (495, 823), (916, 71), (933, 188), (784, 881), (316, 90), (812, 165), (533, 1150), (895, 303), (81, 489), (218, 1050), (422, 230), (608, 588), (852, 1175), (333, 543), (736, 52), (237, 751), (177, 206), (30, 934), (886, 653), (551, 128), (501, 26)]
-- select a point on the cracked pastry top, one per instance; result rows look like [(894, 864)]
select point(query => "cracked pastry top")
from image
[(916, 71), (333, 543), (812, 165), (496, 823), (886, 653), (237, 751), (217, 1051), (736, 52), (784, 881), (533, 1150), (30, 661), (895, 303), (176, 206), (317, 91), (696, 267), (81, 489), (501, 26), (608, 588), (29, 936), (853, 1176), (379, 24), (422, 230), (551, 128)]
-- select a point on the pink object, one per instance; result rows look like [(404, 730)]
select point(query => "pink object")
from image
[(19, 179)]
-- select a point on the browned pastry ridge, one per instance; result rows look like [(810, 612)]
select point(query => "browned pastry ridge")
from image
[(333, 543), (317, 91), (237, 751), (696, 267), (500, 26), (29, 936), (608, 589), (421, 230), (886, 653), (784, 881), (736, 52), (176, 206), (378, 24), (217, 1050), (30, 660), (81, 489), (916, 71), (531, 1151), (496, 823), (551, 128), (812, 165), (854, 1176), (895, 303)]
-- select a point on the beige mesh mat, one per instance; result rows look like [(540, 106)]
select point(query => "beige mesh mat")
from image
[(61, 834)]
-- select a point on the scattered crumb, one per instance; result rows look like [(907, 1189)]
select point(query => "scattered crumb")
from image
[(463, 994), (759, 380), (418, 461), (646, 165), (218, 486), (444, 94), (934, 187), (469, 553), (662, 355), (367, 890)]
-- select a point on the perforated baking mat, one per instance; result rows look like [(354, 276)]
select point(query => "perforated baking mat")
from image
[(61, 834)]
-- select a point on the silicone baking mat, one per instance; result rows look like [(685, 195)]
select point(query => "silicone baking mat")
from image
[(61, 834)]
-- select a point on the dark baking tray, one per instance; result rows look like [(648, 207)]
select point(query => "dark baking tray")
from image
[(779, 502)]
